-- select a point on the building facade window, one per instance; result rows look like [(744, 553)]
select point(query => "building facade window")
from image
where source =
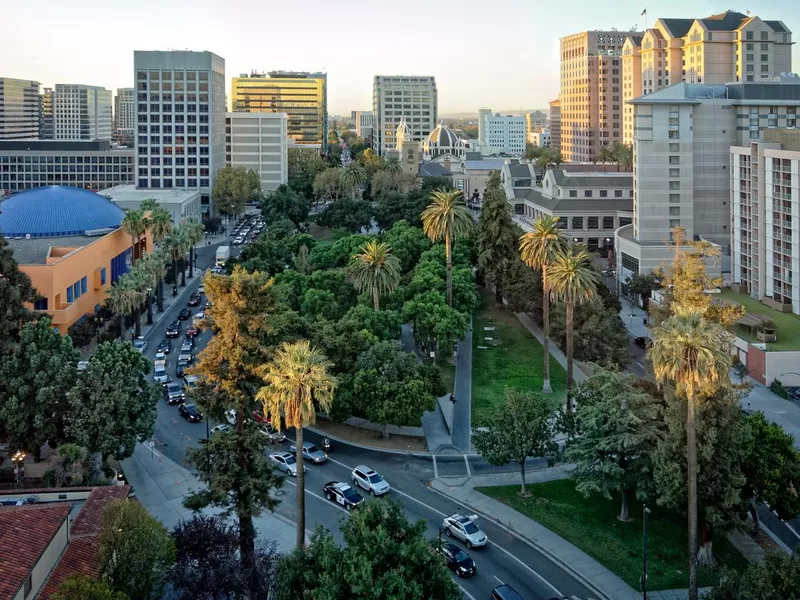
[(40, 304), (630, 263), (608, 222), (592, 223), (577, 222)]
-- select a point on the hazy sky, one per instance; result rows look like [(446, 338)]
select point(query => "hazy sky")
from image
[(497, 53)]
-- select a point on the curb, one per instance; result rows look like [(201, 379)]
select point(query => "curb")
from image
[(531, 542)]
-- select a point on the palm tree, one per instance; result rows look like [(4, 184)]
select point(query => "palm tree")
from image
[(375, 269), (135, 225), (393, 165), (175, 245), (549, 159), (298, 382), (605, 155), (694, 355), (160, 224), (194, 234), (354, 176), (573, 281), (153, 268), (149, 204), (623, 156), (448, 218), (538, 249), (124, 297)]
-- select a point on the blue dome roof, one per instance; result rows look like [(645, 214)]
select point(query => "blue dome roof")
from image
[(56, 212)]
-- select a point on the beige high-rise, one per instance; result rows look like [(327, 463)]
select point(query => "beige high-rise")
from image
[(555, 124), (591, 96), (722, 48)]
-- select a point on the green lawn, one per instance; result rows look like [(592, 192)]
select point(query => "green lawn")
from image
[(513, 358), (787, 324), (592, 525), (448, 373), (325, 236)]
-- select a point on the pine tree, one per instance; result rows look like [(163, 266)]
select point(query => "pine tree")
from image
[(496, 237), (15, 290)]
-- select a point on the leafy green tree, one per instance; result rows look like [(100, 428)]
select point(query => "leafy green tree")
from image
[(339, 253), (319, 303), (85, 587), (351, 215), (435, 323), (777, 576), (619, 433), (267, 255), (34, 380), (354, 176), (303, 168), (384, 324), (393, 207), (342, 340), (389, 181), (136, 551), (329, 185), (549, 159), (523, 290), (285, 203), (15, 291), (523, 427), (643, 284), (112, 405), (375, 536), (370, 161), (496, 236), (407, 243), (375, 270), (431, 276), (234, 187)]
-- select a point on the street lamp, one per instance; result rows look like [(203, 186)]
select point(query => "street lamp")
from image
[(630, 321), (149, 306), (19, 466), (645, 512)]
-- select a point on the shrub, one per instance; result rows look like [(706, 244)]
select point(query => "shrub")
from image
[(82, 332), (777, 388)]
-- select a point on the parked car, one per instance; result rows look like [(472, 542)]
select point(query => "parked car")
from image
[(198, 319), (643, 342), (193, 331), (238, 241), (370, 481), (275, 436), (164, 346), (160, 375), (173, 329), (194, 300), (505, 592), (464, 529), (184, 314), (140, 344), (230, 416), (286, 462), (342, 494), (190, 412), (220, 429), (173, 393), (83, 365), (457, 560), (311, 453), (201, 289)]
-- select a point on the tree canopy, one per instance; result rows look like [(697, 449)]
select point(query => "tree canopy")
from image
[(285, 203), (234, 187), (15, 290)]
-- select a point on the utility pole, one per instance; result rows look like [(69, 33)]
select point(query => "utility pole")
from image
[(645, 512)]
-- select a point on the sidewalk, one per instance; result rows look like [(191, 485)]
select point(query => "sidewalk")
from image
[(161, 484), (776, 409), (633, 317)]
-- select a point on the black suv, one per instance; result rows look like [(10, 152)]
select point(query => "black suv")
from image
[(184, 314), (164, 346), (173, 329), (173, 393), (194, 300), (457, 560), (190, 413)]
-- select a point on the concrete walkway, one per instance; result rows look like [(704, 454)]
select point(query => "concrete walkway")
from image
[(462, 409), (161, 485)]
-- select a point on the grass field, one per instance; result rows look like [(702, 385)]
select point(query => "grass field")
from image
[(325, 236), (591, 524), (787, 324), (512, 358)]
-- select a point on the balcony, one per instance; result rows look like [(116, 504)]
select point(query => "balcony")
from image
[(65, 317)]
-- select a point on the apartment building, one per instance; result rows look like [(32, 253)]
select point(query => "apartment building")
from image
[(258, 142), (46, 131), (302, 96), (765, 211), (19, 109), (682, 158), (180, 121), (396, 97), (591, 93), (555, 124), (82, 112), (28, 164), (124, 116), (540, 139), (718, 49), (364, 123), (502, 133)]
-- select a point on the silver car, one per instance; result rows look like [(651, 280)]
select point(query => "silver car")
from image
[(465, 529), (286, 462), (311, 452), (370, 481), (160, 375)]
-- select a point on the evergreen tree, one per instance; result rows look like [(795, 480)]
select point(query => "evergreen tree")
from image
[(496, 237), (15, 290)]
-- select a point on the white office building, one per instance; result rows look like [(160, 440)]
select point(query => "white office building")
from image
[(540, 139), (502, 134), (180, 121), (82, 112), (125, 109), (258, 142), (409, 97), (364, 123), (19, 109)]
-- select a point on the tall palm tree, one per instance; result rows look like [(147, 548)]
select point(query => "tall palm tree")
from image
[(538, 249), (298, 382), (135, 225), (393, 165), (124, 297), (623, 156), (573, 281), (194, 234), (605, 155), (549, 159), (175, 245), (692, 354), (354, 176), (160, 223), (375, 269), (153, 268), (448, 218), (149, 204)]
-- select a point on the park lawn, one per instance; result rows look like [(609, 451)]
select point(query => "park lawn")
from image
[(325, 236), (513, 358), (787, 325), (591, 524), (448, 374)]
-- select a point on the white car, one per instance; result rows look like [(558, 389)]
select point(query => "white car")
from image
[(311, 453), (160, 375), (140, 344), (83, 365), (198, 318), (465, 529), (220, 429), (160, 360), (201, 289), (230, 416), (370, 481), (286, 462), (238, 241)]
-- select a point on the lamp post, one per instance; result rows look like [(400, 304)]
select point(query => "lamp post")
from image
[(149, 306), (19, 467), (645, 512)]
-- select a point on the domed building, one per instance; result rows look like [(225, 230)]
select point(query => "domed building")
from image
[(441, 141), (70, 243)]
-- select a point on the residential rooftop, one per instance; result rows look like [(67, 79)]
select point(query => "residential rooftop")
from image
[(787, 325)]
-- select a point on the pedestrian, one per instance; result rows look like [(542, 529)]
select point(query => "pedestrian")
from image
[(453, 397)]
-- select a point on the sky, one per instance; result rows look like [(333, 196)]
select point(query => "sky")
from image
[(502, 54)]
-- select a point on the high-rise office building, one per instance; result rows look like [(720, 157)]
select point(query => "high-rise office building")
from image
[(302, 96), (555, 124), (722, 48), (19, 109), (502, 133), (482, 114), (409, 97), (535, 122), (46, 114), (364, 123), (180, 121), (82, 112), (124, 116), (591, 97), (258, 142)]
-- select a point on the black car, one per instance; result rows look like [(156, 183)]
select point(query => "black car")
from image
[(643, 342), (184, 314), (180, 368), (173, 329), (190, 412), (457, 560), (173, 393), (194, 300), (342, 494), (164, 346)]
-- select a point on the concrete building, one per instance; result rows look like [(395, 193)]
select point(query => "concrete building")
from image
[(535, 122), (591, 97), (364, 123), (46, 125), (124, 116), (482, 114), (19, 109), (503, 134), (540, 139), (721, 48), (181, 204), (590, 206), (94, 165), (70, 243), (555, 124), (257, 141), (82, 112), (409, 97), (765, 212), (682, 140), (302, 96), (180, 136)]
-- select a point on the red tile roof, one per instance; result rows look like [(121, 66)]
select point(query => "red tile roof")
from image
[(25, 532), (90, 517)]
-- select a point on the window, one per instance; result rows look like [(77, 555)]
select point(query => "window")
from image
[(577, 222), (674, 185), (674, 211), (673, 223), (604, 193), (573, 193), (630, 263), (674, 135), (749, 35), (674, 172), (76, 289), (608, 222), (40, 304), (70, 298), (587, 193), (84, 283), (592, 223), (617, 193), (674, 160), (674, 198), (103, 276), (764, 37)]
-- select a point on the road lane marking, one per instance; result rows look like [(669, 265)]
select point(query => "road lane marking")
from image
[(323, 498), (640, 364), (791, 528), (498, 579), (435, 468), (465, 592), (466, 462)]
